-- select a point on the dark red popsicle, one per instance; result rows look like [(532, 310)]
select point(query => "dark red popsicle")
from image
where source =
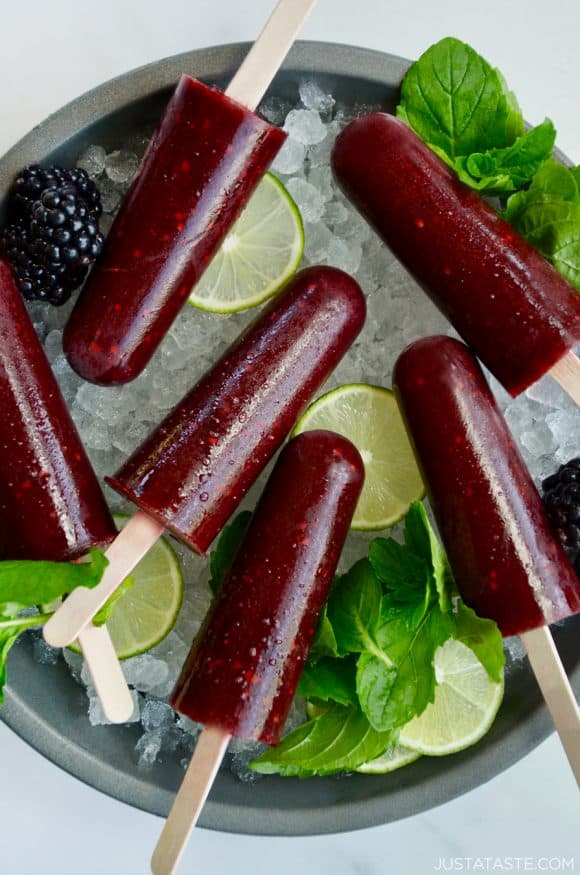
[(506, 301), (51, 505), (205, 159), (194, 470), (243, 669), (506, 562)]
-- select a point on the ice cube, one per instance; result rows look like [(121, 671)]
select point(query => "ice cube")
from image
[(241, 759), (313, 97), (309, 200), (290, 158), (156, 714), (144, 672), (344, 254), (148, 748), (120, 166), (93, 161), (305, 126)]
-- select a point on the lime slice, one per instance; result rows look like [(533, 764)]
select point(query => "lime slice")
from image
[(369, 417), (395, 758), (466, 702), (262, 250), (148, 611)]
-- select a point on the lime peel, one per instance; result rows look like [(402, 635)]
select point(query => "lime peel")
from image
[(260, 253), (369, 416)]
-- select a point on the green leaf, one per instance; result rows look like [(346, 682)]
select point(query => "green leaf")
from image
[(421, 538), (338, 740), (7, 639), (221, 558), (502, 171), (456, 101), (404, 573), (24, 584), (390, 701), (330, 680), (548, 216), (104, 615), (398, 567), (324, 643), (354, 608), (480, 635), (566, 252)]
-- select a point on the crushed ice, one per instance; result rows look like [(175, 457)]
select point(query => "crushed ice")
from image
[(113, 421)]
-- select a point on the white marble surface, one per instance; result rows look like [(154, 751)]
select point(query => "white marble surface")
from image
[(526, 817)]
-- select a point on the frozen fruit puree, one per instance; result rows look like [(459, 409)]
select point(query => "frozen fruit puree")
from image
[(195, 468), (243, 669), (205, 159), (517, 313), (51, 505), (505, 560)]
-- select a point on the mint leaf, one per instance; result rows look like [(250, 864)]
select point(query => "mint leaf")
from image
[(104, 615), (480, 635), (337, 741), (548, 216), (329, 680), (221, 558), (391, 700), (403, 573), (324, 643), (354, 608), (24, 583), (500, 172), (456, 101), (421, 538), (566, 252)]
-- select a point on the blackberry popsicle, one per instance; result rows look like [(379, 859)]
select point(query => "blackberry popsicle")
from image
[(51, 505), (508, 303), (241, 674), (506, 562), (192, 472), (207, 155)]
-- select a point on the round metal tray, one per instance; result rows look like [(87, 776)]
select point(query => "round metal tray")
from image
[(48, 709)]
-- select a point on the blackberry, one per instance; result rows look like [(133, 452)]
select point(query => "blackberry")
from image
[(34, 180), (53, 235), (561, 493)]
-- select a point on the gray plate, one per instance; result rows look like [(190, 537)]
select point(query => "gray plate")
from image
[(48, 709)]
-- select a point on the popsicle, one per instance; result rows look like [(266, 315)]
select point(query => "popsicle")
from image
[(51, 504), (518, 314), (205, 159), (241, 674), (507, 564), (190, 475)]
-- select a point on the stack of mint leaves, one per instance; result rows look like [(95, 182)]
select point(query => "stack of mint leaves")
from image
[(371, 666), (461, 107), (30, 591)]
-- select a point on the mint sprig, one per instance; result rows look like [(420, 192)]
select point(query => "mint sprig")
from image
[(28, 584), (461, 107), (548, 215)]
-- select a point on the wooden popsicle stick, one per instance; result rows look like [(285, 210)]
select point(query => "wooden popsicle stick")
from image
[(265, 57), (128, 548), (189, 801), (558, 694), (106, 673), (566, 372)]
